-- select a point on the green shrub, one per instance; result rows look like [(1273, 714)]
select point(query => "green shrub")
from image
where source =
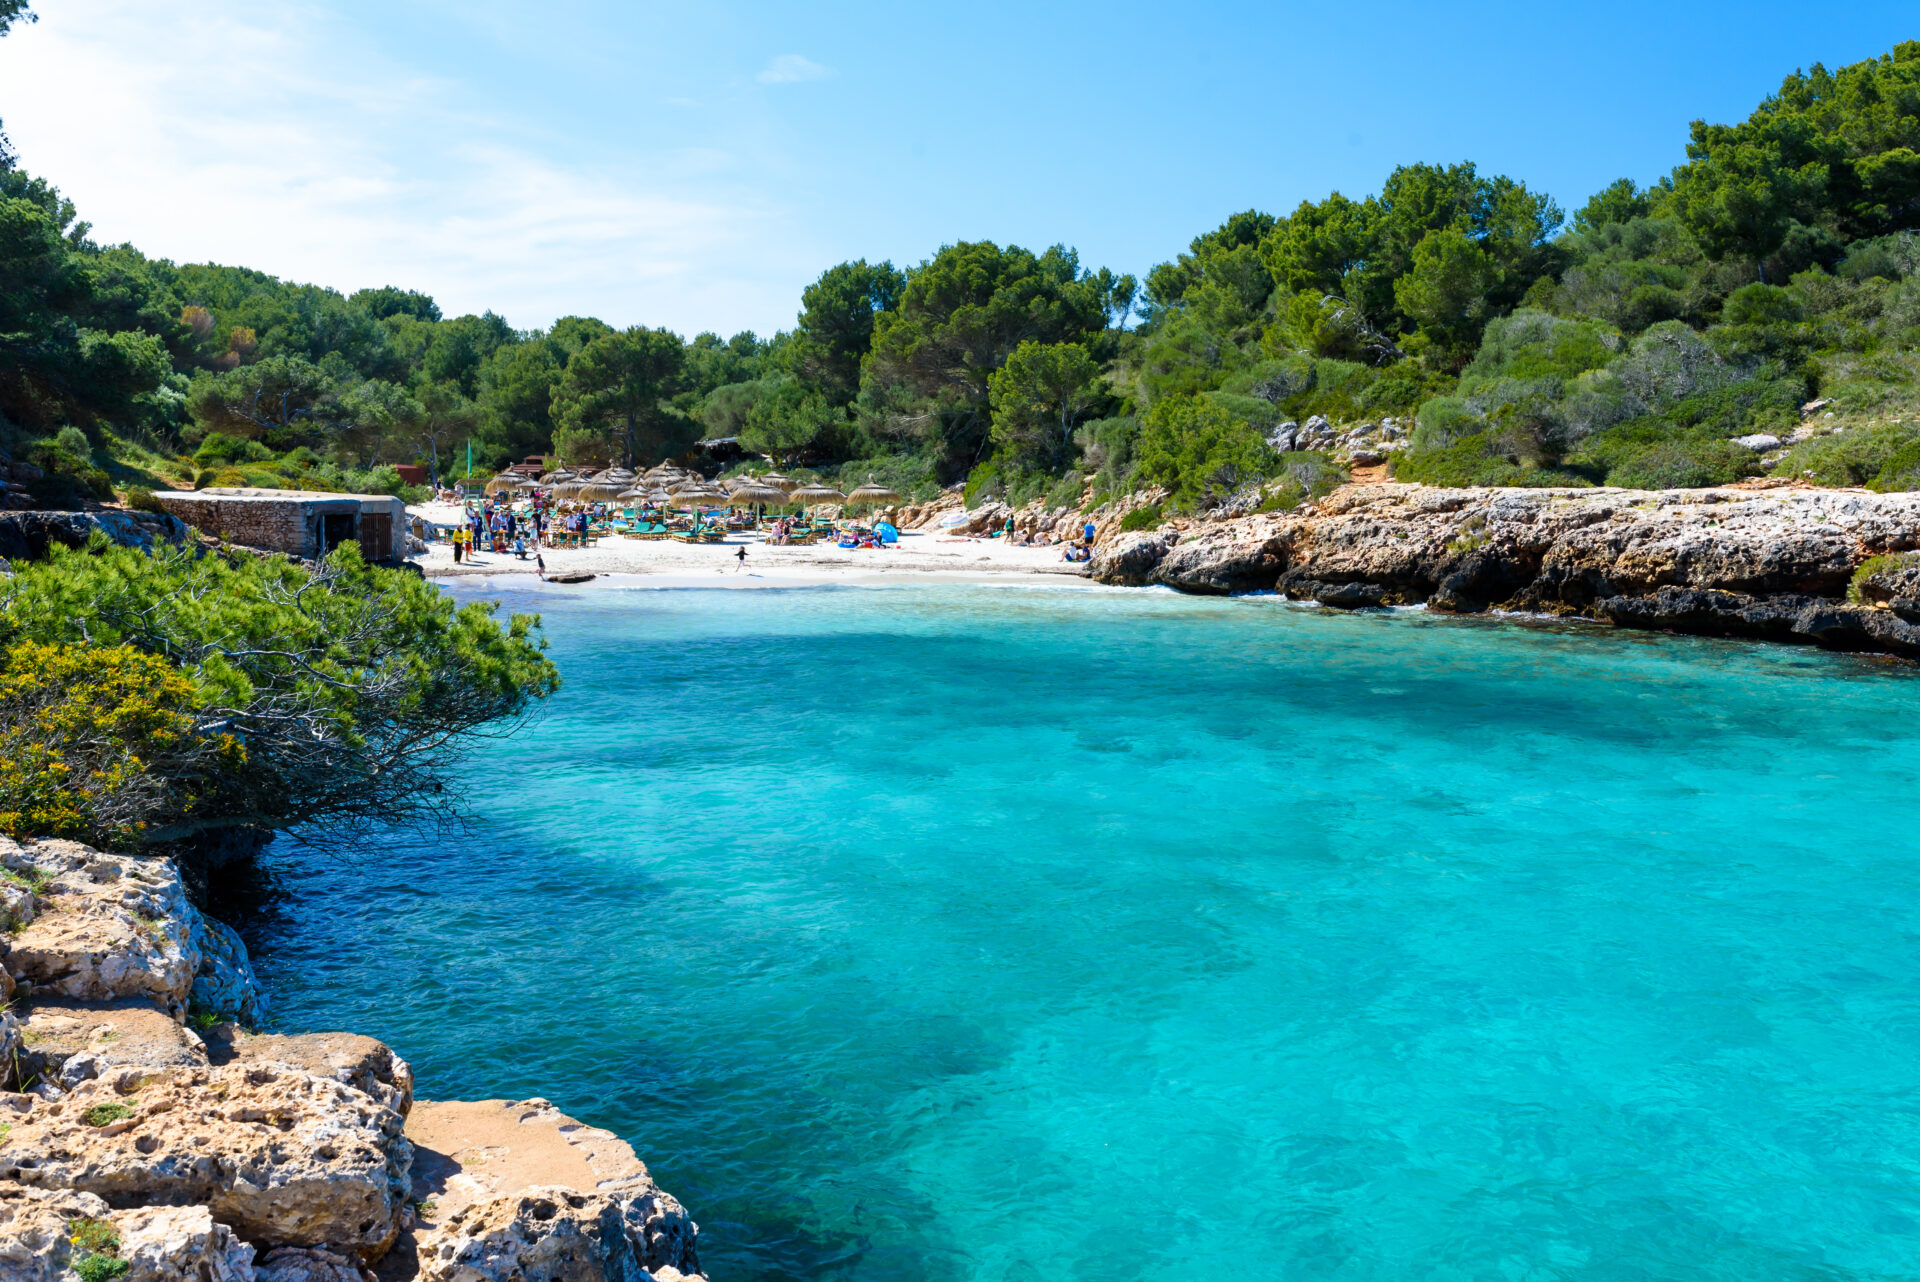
[(220, 449), (1067, 490), (1469, 460), (1856, 587), (912, 476), (1481, 459), (1762, 305), (99, 1268), (96, 1248), (1681, 465), (397, 674), (140, 499), (1901, 471), (1197, 450), (1143, 518), (106, 1114), (1305, 475), (1854, 457), (1445, 420), (1006, 478)]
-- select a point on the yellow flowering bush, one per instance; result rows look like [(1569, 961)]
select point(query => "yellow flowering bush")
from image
[(97, 742)]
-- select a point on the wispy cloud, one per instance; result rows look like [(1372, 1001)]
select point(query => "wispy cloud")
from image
[(791, 68), (274, 140)]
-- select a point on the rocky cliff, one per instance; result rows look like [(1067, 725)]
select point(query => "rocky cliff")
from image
[(146, 1134), (25, 536), (1778, 564)]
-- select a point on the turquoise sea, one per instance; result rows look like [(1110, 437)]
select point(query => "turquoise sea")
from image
[(992, 932)]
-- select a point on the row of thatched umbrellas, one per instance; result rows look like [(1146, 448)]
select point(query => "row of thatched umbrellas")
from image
[(667, 485)]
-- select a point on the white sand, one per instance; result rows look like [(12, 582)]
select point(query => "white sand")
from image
[(917, 553)]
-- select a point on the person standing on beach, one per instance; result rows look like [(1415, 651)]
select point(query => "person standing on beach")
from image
[(741, 557), (540, 566), (453, 537), (1088, 531)]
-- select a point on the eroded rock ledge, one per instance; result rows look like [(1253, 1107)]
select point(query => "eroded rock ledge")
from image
[(1770, 564), (141, 1121)]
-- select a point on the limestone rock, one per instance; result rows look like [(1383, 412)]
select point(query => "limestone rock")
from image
[(988, 517), (557, 1233), (307, 1264), (1758, 442), (71, 1042), (1129, 560), (25, 536), (224, 984), (12, 1043), (1342, 596), (505, 1184), (106, 927), (16, 903), (1639, 558), (176, 1243), (283, 1157), (110, 927), (34, 1245), (1220, 567), (365, 1064)]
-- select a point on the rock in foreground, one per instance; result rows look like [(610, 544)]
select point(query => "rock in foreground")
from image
[(280, 1156), (508, 1188), (132, 1148), (90, 926)]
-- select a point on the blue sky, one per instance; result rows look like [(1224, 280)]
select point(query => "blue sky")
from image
[(694, 166)]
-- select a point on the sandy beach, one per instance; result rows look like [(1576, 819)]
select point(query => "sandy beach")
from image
[(917, 553)]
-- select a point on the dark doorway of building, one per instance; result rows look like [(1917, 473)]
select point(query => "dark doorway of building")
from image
[(335, 529)]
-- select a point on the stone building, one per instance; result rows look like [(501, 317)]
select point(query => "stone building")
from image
[(302, 523)]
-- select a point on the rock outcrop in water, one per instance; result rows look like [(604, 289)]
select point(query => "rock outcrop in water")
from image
[(1774, 564), (240, 1157)]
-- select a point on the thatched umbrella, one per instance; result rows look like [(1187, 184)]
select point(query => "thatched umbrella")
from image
[(694, 498), (501, 483), (778, 481), (872, 494), (815, 493), (598, 490), (753, 494), (807, 495)]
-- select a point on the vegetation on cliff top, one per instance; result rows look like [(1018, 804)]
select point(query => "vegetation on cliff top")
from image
[(1779, 262)]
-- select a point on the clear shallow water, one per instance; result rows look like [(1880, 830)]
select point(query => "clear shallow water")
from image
[(982, 932)]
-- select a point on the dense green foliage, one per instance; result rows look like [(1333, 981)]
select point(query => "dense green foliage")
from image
[(196, 692), (1778, 263)]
